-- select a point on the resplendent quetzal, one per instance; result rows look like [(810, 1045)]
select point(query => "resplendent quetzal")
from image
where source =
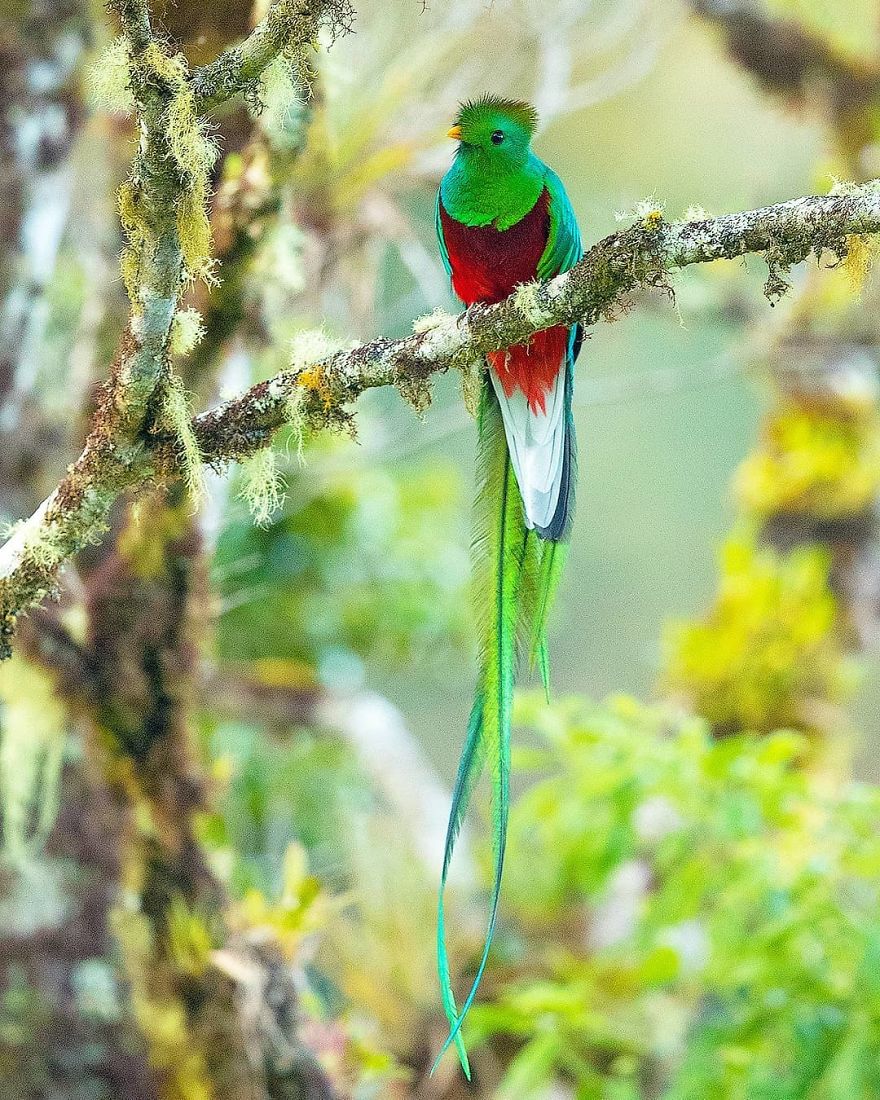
[(503, 219)]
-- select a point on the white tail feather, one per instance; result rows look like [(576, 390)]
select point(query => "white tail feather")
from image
[(536, 441)]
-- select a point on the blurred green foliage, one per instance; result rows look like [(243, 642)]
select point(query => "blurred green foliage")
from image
[(684, 917), (767, 654), (298, 789), (356, 565), (690, 918), (815, 457), (321, 865)]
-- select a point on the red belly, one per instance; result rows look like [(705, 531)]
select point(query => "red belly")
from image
[(487, 264)]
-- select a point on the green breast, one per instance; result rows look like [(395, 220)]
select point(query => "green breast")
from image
[(477, 193)]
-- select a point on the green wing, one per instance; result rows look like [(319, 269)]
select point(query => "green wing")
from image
[(564, 247), (438, 225)]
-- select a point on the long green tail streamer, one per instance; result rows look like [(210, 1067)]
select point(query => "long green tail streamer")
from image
[(507, 560)]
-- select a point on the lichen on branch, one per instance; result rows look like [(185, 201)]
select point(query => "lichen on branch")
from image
[(289, 28), (125, 451), (597, 288), (163, 211)]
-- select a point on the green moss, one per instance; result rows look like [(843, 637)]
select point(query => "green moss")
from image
[(817, 458), (311, 347), (778, 283), (861, 253), (417, 393), (136, 229), (187, 331), (176, 416), (193, 150), (472, 375), (194, 154), (649, 212), (194, 231), (42, 544), (299, 28), (129, 267), (696, 213), (294, 414), (436, 319), (525, 299), (282, 107), (171, 70), (767, 654)]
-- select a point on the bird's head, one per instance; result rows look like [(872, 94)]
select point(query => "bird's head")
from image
[(494, 130)]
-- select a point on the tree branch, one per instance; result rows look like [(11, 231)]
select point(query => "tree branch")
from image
[(162, 210), (290, 27), (595, 289), (134, 15), (790, 60)]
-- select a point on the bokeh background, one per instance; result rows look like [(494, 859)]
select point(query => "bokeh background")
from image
[(227, 746)]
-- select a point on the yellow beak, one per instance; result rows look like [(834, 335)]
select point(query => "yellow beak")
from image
[(454, 133)]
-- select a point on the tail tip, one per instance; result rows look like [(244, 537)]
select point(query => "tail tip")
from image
[(462, 1057)]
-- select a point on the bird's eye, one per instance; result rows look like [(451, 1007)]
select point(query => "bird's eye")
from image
[(497, 137)]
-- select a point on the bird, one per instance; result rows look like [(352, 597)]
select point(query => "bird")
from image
[(504, 220)]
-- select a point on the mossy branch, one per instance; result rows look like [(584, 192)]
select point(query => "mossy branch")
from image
[(596, 289), (163, 211), (290, 27), (134, 15), (318, 395)]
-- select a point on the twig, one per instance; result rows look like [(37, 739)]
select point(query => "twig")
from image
[(290, 26)]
